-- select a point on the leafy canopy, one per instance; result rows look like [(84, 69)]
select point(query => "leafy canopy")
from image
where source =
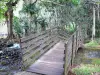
[(3, 7), (50, 3)]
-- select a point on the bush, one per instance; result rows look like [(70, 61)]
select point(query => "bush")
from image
[(86, 69), (71, 27), (92, 44)]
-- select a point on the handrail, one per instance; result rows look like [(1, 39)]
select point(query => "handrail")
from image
[(35, 45), (71, 47)]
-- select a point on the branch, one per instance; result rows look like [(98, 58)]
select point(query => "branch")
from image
[(30, 1), (35, 1), (14, 3), (54, 3)]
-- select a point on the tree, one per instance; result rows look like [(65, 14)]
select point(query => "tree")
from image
[(43, 23), (17, 26), (93, 28), (59, 10), (3, 8), (7, 11), (32, 12)]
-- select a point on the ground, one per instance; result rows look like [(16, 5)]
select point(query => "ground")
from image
[(87, 62), (26, 73)]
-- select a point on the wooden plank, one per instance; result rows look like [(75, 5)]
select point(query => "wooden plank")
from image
[(71, 47), (25, 73), (28, 43), (36, 44), (47, 69), (34, 47), (32, 36), (49, 65), (28, 56), (40, 53), (39, 49), (43, 45), (53, 58)]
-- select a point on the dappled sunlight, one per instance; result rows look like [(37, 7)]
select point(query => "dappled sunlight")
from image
[(3, 30)]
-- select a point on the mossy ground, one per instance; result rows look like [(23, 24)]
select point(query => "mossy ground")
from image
[(87, 66), (92, 45), (96, 61), (86, 69)]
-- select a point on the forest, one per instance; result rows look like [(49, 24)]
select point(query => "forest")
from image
[(29, 18), (37, 16)]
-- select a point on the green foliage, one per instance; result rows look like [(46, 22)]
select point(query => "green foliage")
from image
[(62, 1), (75, 2), (96, 61), (71, 27), (30, 8), (3, 8), (17, 26), (86, 69), (92, 44), (43, 23), (97, 29), (54, 3)]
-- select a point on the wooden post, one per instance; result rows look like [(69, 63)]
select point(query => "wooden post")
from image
[(66, 61), (72, 56)]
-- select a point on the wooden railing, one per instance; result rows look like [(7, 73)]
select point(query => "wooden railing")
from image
[(63, 33), (34, 45), (71, 47)]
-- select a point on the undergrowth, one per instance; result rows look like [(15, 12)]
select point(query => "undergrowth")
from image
[(86, 69), (92, 44)]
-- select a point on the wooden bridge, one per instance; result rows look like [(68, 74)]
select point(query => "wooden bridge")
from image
[(50, 52)]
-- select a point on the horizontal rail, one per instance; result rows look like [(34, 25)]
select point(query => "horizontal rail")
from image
[(34, 45)]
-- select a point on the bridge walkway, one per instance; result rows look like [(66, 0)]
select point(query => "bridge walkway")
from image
[(51, 63), (53, 59)]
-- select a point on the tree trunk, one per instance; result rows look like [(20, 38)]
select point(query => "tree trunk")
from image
[(43, 28), (10, 22), (30, 18), (93, 28), (35, 21), (9, 18), (98, 12)]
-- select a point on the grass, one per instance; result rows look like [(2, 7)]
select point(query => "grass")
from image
[(92, 44), (92, 48), (96, 61), (86, 69)]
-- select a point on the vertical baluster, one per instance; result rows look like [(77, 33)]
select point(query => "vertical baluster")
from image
[(72, 56)]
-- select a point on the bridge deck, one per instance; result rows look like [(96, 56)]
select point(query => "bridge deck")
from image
[(51, 63)]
